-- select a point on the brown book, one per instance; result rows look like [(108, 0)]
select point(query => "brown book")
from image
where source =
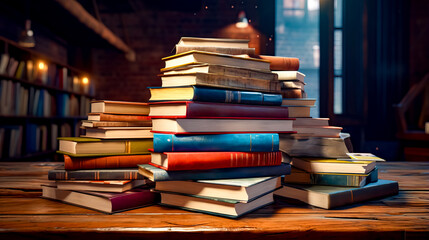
[(91, 124), (280, 63), (119, 107), (292, 93), (224, 50), (117, 117), (105, 162)]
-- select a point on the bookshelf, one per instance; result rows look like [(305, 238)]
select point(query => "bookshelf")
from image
[(40, 99)]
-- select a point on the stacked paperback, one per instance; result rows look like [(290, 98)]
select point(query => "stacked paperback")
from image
[(216, 121), (100, 168)]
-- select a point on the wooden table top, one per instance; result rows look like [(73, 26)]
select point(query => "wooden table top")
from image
[(24, 215)]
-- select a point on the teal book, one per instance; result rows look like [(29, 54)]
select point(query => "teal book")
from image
[(95, 174), (299, 176), (328, 197), (157, 174)]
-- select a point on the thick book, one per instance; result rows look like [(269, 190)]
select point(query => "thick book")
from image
[(102, 201), (241, 142), (220, 81), (93, 124), (298, 176), (318, 131), (293, 93), (328, 197), (215, 206), (187, 109), (240, 189), (289, 75), (299, 101), (195, 56), (95, 174), (157, 174), (118, 132), (118, 117), (201, 126), (100, 186), (119, 107), (85, 147), (104, 162), (220, 69), (317, 165), (311, 122), (298, 111), (214, 42), (278, 63), (205, 94), (224, 50), (179, 161)]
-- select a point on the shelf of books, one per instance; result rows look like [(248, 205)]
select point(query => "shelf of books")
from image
[(40, 100)]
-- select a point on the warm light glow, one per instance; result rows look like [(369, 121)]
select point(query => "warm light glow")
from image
[(85, 80), (41, 65)]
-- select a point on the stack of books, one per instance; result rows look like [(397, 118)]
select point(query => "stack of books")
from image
[(216, 121), (100, 168)]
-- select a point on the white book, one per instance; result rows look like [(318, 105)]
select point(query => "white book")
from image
[(290, 75)]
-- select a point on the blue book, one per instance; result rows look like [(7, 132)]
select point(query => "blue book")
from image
[(255, 142), (206, 94), (31, 138), (157, 174)]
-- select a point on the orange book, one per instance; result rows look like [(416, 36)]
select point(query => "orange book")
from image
[(105, 162), (280, 63)]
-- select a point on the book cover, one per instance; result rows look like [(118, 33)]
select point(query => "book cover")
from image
[(104, 162), (179, 161), (119, 107), (118, 132), (242, 142), (329, 197), (205, 94), (187, 109), (220, 81), (95, 174), (157, 174), (102, 201)]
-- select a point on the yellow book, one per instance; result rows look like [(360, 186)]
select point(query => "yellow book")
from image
[(316, 165)]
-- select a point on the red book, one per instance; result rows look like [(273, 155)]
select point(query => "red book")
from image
[(280, 63), (175, 161), (105, 162), (188, 109), (117, 117)]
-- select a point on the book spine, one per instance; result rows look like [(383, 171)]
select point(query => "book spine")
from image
[(212, 110), (105, 162), (224, 50), (136, 199), (178, 161), (263, 142), (94, 175), (222, 173), (123, 118), (203, 94), (282, 63)]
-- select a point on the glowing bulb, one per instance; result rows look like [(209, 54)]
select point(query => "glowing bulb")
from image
[(85, 80), (41, 65)]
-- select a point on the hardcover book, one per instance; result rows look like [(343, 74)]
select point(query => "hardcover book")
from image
[(224, 50), (94, 124), (119, 107), (328, 197), (100, 186), (102, 201), (85, 147), (319, 131), (187, 109), (220, 81), (118, 132), (278, 63), (214, 42), (179, 161), (186, 125), (242, 142), (104, 162), (298, 101), (205, 94), (298, 111), (157, 174), (290, 75), (118, 117), (95, 174), (311, 122), (319, 165)]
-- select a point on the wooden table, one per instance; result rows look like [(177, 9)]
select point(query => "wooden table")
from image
[(24, 215)]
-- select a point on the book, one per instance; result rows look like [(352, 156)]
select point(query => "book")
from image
[(299, 101), (219, 69), (157, 174), (186, 125), (319, 131), (316, 165), (195, 56), (293, 93), (100, 186), (309, 146), (205, 94), (214, 42), (118, 132), (188, 109), (218, 206), (85, 147), (95, 174), (292, 84), (104, 162), (278, 63), (241, 142), (298, 111), (4, 61), (365, 156), (311, 122), (329, 197), (298, 176), (179, 161), (93, 124), (118, 117), (289, 75), (220, 81), (240, 189), (224, 50), (119, 107), (102, 201)]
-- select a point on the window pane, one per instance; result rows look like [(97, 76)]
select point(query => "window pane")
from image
[(338, 52), (338, 13), (298, 36), (338, 95)]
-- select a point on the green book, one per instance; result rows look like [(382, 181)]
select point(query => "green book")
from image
[(299, 176), (331, 196), (89, 147)]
